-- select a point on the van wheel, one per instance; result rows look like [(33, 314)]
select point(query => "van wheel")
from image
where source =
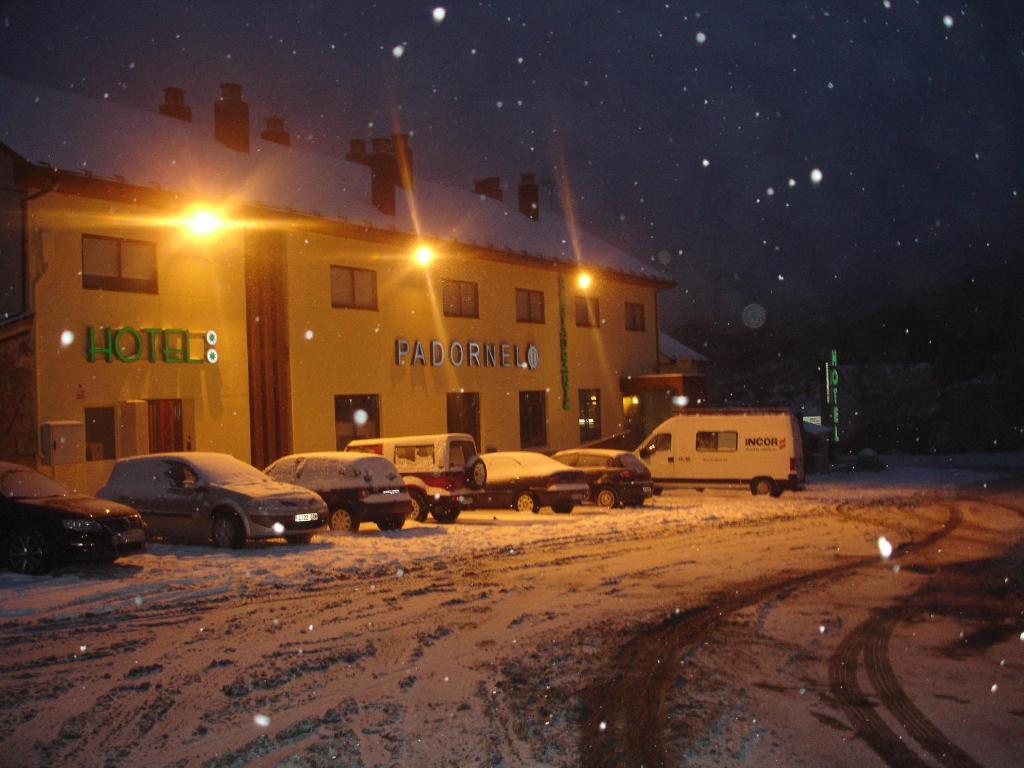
[(761, 486), (343, 520), (607, 498), (418, 510), (227, 531), (476, 472), (525, 502), (776, 490)]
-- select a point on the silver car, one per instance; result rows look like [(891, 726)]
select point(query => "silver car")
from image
[(213, 496)]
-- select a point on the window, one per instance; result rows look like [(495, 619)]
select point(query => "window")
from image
[(590, 414), (587, 312), (355, 416), (460, 298), (353, 288), (464, 413), (99, 434), (660, 444), (529, 306), (415, 458), (180, 475), (459, 452), (115, 264), (716, 441), (533, 427), (634, 316)]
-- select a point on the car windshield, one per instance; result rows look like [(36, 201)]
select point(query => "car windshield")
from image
[(227, 470), (29, 484), (631, 462)]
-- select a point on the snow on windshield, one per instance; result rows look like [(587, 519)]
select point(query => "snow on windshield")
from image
[(24, 483), (226, 470)]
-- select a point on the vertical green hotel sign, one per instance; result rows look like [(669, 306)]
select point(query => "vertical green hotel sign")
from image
[(563, 343), (154, 345), (832, 392)]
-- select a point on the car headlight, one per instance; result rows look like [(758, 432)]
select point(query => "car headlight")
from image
[(82, 525)]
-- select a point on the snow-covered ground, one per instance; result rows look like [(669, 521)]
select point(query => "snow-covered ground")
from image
[(472, 643)]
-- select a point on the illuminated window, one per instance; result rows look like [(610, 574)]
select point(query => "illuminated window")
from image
[(353, 288), (99, 434), (529, 306), (355, 416), (588, 313), (634, 316), (116, 264), (460, 298), (590, 414), (716, 441), (533, 426)]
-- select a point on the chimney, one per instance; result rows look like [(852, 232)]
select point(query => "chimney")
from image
[(383, 167), (403, 160), (231, 118), (275, 132), (489, 187), (529, 197), (174, 104)]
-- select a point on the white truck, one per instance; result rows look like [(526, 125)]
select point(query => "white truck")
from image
[(757, 448)]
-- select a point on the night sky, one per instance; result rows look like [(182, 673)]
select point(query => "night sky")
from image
[(677, 126)]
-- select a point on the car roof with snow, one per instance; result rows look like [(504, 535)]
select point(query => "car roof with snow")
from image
[(103, 139), (609, 452)]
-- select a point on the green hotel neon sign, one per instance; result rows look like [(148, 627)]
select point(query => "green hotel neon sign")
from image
[(154, 345)]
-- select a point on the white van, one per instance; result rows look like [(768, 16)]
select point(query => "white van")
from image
[(442, 473), (759, 448)]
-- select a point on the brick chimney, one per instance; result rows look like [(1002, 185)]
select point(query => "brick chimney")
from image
[(385, 168), (529, 197), (231, 118), (174, 104), (275, 132), (489, 187)]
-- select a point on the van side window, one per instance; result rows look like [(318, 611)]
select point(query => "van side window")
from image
[(417, 458), (662, 442), (716, 441)]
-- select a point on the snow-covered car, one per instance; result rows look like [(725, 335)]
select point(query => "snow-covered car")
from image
[(42, 523), (615, 477), (356, 487), (213, 496), (527, 481), (442, 472)]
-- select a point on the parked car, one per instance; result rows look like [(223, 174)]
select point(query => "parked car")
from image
[(615, 478), (442, 472), (214, 496), (42, 523), (356, 487), (527, 481)]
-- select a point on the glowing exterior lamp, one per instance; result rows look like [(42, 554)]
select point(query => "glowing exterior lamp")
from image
[(423, 255), (583, 280), (203, 222)]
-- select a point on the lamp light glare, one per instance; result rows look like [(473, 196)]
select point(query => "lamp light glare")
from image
[(423, 255), (583, 280), (203, 222)]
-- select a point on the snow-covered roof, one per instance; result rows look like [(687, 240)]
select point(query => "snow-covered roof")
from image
[(76, 133), (675, 349)]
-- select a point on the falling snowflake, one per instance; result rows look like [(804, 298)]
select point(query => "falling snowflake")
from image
[(701, 38), (360, 417), (705, 162), (816, 176), (948, 21), (309, 334), (397, 51), (602, 726), (400, 572), (439, 14), (994, 688), (886, 4), (884, 547), (791, 182), (261, 720), (67, 338)]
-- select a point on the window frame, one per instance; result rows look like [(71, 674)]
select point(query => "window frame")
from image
[(460, 310), (530, 317), (591, 311), (354, 304), (635, 309), (94, 282), (716, 448), (585, 404)]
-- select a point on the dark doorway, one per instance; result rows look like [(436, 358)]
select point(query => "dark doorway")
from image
[(165, 432), (464, 414)]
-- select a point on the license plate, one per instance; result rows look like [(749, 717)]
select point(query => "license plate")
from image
[(133, 536), (305, 517), (648, 491)]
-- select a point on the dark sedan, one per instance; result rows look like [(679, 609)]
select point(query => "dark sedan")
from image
[(527, 481), (42, 523), (616, 478)]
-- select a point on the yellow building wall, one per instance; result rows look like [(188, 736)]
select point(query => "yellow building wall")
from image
[(336, 351), (201, 287)]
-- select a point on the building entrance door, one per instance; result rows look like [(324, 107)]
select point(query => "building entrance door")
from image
[(165, 428), (464, 414)]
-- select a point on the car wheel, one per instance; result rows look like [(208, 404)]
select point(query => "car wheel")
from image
[(761, 486), (607, 498), (418, 511), (26, 551), (562, 507), (525, 502), (476, 472), (343, 520), (227, 531), (299, 538), (391, 523), (445, 516)]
